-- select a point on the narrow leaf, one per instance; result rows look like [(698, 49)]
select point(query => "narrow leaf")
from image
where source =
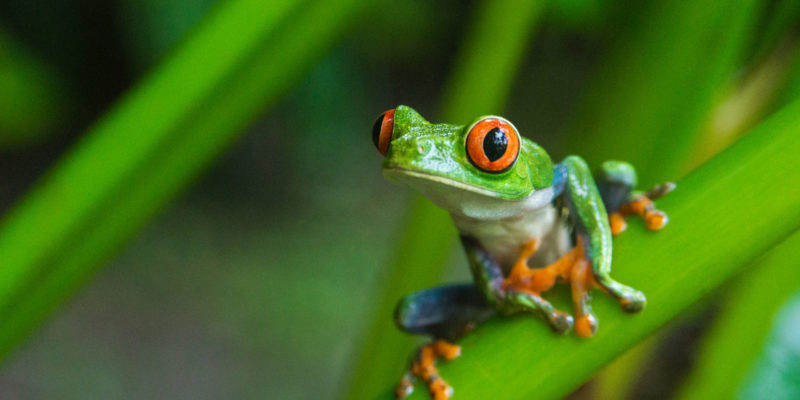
[(754, 299), (151, 146)]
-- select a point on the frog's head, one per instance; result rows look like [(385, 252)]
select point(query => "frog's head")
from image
[(466, 169)]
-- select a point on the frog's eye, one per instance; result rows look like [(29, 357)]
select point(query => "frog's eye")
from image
[(382, 131), (492, 144)]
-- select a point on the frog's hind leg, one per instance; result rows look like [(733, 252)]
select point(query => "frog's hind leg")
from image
[(616, 182), (446, 313)]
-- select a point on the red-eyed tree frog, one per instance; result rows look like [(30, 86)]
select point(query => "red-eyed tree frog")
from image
[(525, 223)]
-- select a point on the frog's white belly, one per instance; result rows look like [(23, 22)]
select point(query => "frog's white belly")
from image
[(504, 238)]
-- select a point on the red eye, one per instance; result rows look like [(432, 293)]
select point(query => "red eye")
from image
[(493, 144), (382, 131)]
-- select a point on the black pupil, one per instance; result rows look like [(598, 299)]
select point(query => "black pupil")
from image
[(494, 144), (376, 130)]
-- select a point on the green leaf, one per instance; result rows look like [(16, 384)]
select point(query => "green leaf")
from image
[(754, 299), (705, 243), (152, 145)]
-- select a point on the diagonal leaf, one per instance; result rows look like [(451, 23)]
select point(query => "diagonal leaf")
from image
[(152, 145), (754, 300)]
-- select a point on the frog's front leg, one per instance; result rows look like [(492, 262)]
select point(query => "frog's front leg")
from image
[(446, 313), (616, 181), (503, 294), (588, 215)]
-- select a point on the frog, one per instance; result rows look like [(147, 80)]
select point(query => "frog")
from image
[(525, 224)]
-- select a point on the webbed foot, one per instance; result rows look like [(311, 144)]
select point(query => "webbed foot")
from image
[(562, 322), (424, 366), (633, 302), (574, 268), (642, 205), (524, 287)]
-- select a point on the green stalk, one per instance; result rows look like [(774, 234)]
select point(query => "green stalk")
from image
[(479, 86), (151, 146), (489, 59), (754, 300), (704, 245)]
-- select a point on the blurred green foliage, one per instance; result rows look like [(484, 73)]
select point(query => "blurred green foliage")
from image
[(756, 297), (655, 90), (776, 372), (258, 281), (32, 96)]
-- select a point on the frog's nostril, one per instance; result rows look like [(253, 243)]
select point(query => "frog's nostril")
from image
[(382, 131)]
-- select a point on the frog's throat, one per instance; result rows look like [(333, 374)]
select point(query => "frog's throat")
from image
[(398, 174), (466, 201)]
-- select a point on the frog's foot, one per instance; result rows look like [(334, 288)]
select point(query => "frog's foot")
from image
[(524, 287), (424, 366), (523, 299), (629, 298), (661, 190), (571, 267), (575, 268), (642, 206), (634, 301)]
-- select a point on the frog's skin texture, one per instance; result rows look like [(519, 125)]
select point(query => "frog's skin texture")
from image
[(524, 222)]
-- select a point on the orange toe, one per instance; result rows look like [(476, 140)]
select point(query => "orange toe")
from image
[(585, 325), (440, 390), (617, 222), (447, 350), (655, 219), (404, 388)]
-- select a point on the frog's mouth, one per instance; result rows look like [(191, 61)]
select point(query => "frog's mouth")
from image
[(468, 200), (426, 182)]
